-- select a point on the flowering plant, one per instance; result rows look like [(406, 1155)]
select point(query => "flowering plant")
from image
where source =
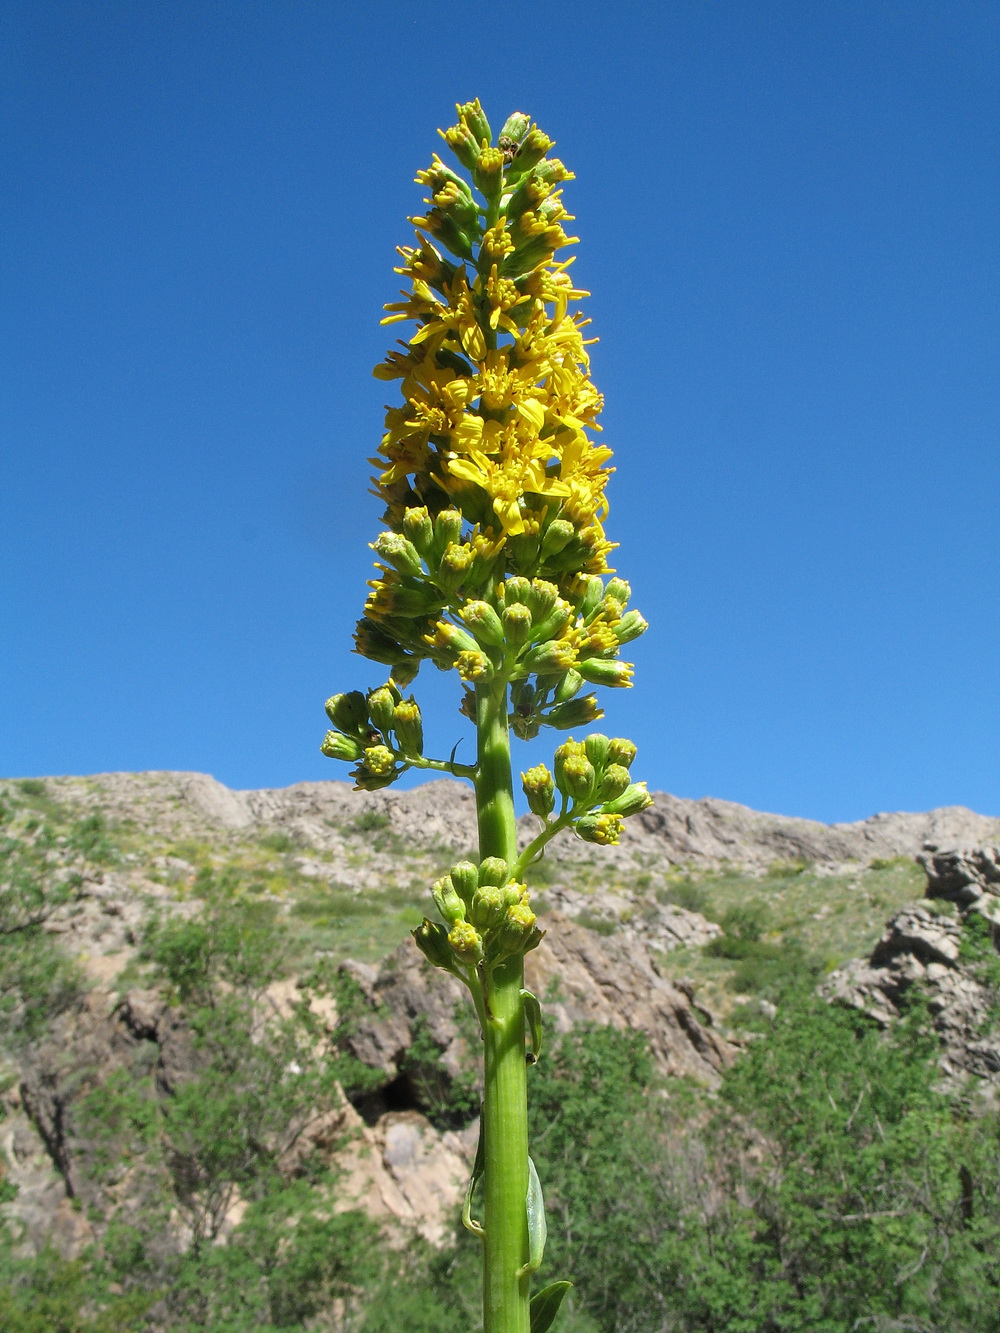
[(494, 563)]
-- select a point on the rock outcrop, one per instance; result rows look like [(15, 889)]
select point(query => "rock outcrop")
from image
[(922, 947)]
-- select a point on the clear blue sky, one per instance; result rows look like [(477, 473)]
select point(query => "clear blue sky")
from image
[(788, 218)]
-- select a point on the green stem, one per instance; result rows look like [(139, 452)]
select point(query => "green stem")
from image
[(505, 1105)]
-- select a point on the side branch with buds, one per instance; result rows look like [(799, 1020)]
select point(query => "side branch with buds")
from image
[(494, 563)]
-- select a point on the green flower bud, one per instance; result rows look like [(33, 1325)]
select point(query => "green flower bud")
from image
[(515, 127), (558, 535), (553, 172), (372, 642), (622, 751), (487, 907), (364, 780), (463, 143), (606, 671), (570, 749), (447, 901), (408, 727), (592, 594), (381, 703), (337, 746), (604, 829), (456, 200), (568, 685), (474, 666), (518, 932), (493, 870), (578, 778), (539, 788), (473, 115), (417, 526), (379, 761), (348, 712), (449, 640), (531, 150), (597, 749), (550, 658), (405, 673), (399, 552), (574, 713), (431, 939), (454, 566), (447, 528), (633, 799), (554, 623), (484, 623), (516, 624), (465, 877), (631, 625), (515, 590), (615, 781), (619, 590), (541, 599), (466, 942)]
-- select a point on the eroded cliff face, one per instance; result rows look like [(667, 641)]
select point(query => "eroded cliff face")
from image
[(404, 1147)]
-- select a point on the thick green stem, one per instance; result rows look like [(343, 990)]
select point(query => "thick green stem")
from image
[(505, 1105)]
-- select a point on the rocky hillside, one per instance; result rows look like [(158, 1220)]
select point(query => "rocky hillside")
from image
[(636, 938)]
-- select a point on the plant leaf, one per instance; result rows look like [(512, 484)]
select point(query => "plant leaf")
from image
[(537, 1229), (533, 1018), (545, 1305)]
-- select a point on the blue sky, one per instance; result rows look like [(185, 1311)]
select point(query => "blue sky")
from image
[(787, 216)]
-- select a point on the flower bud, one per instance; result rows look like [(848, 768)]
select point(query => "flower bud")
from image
[(622, 751), (633, 799), (604, 829), (516, 624), (454, 566), (418, 528), (381, 703), (487, 907), (447, 901), (558, 535), (539, 788), (532, 149), (493, 870), (488, 172), (515, 127), (337, 746), (372, 642), (474, 666), (631, 625), (568, 686), (449, 640), (447, 528), (615, 781), (364, 780), (555, 622), (515, 590), (484, 623), (404, 673), (574, 713), (473, 115), (606, 671), (431, 939), (463, 143), (408, 727), (570, 749), (597, 749), (465, 877), (541, 600), (379, 761), (399, 552), (619, 590), (591, 593), (551, 658), (348, 712), (578, 778), (466, 942), (518, 932)]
